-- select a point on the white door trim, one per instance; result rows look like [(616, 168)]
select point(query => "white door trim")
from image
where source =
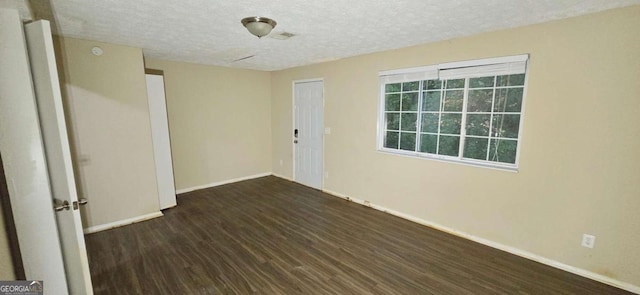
[(293, 124)]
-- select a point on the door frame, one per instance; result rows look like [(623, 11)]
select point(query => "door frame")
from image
[(293, 124)]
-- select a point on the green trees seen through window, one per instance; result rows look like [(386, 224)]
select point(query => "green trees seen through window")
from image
[(474, 118)]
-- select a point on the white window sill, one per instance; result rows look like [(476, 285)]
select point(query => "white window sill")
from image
[(447, 160)]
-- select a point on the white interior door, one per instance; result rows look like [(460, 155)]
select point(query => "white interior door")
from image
[(24, 161), (161, 141), (308, 132), (58, 155)]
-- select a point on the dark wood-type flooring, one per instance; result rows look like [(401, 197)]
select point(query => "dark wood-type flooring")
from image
[(272, 236)]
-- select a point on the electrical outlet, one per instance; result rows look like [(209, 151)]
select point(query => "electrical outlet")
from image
[(588, 241), (326, 174), (281, 162)]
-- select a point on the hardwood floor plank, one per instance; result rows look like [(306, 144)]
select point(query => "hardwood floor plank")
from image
[(271, 236)]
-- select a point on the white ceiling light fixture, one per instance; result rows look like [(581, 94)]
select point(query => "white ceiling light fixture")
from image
[(259, 26)]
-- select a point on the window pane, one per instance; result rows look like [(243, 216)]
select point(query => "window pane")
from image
[(503, 150), (393, 121), (478, 124), (456, 83), (453, 100), (508, 100), (410, 86), (392, 102), (431, 101), (409, 121), (450, 123), (449, 145), (430, 122), (391, 140), (408, 141), (510, 80), (392, 87), (514, 99), (481, 82), (432, 84), (475, 148), (480, 100), (410, 101), (428, 143), (426, 116), (505, 125)]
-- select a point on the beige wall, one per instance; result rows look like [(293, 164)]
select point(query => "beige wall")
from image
[(6, 263), (579, 163), (107, 113), (219, 122)]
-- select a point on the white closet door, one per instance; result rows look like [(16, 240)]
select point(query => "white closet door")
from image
[(161, 141)]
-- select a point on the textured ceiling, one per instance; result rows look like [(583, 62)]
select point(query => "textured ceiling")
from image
[(209, 31)]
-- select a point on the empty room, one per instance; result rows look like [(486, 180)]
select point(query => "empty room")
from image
[(328, 147)]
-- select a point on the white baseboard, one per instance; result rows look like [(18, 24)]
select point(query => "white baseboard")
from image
[(97, 228), (531, 256), (199, 187), (282, 176)]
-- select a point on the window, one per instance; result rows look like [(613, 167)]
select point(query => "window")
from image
[(467, 112)]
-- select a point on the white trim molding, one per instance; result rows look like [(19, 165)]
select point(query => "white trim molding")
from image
[(282, 176), (102, 227), (213, 184), (515, 251)]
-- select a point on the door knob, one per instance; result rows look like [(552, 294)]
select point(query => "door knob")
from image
[(80, 202), (59, 205), (295, 141)]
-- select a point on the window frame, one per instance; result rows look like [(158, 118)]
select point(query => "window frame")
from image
[(432, 72)]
